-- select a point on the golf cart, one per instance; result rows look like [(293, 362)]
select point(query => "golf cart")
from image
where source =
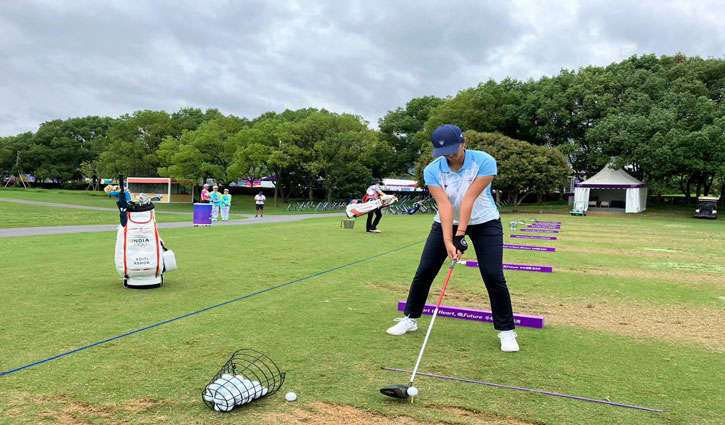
[(706, 207), (580, 208)]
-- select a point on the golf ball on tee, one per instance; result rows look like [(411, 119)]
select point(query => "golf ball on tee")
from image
[(290, 396), (412, 391)]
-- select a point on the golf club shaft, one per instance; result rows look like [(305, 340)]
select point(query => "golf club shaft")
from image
[(432, 320)]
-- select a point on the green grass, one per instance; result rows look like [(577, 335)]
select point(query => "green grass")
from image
[(327, 332)]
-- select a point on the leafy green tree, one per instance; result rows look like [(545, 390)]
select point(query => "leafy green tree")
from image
[(190, 119), (488, 107), (331, 149), (271, 157), (205, 152), (59, 147), (8, 154), (133, 142), (400, 129)]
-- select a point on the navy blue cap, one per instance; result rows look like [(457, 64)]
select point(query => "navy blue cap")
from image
[(446, 139)]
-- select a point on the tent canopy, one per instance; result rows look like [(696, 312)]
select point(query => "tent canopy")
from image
[(614, 185), (610, 178)]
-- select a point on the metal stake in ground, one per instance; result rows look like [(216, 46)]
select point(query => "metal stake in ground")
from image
[(402, 391)]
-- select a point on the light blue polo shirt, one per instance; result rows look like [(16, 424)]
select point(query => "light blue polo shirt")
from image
[(476, 164)]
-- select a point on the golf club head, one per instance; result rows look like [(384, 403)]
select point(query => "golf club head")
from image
[(395, 391)]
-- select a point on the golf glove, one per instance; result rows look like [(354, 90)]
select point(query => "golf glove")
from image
[(460, 243)]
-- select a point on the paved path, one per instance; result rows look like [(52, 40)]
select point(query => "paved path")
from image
[(56, 230)]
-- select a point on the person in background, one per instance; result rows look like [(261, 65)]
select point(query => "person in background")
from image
[(460, 182), (205, 194), (259, 201), (215, 198), (226, 205), (373, 192)]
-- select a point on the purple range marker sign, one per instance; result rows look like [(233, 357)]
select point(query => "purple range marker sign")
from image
[(530, 248), (543, 226), (477, 315), (520, 267), (539, 231), (550, 222), (546, 238)]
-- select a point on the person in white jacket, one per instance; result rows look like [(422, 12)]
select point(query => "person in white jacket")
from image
[(259, 201)]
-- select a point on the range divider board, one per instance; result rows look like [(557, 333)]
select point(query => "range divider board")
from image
[(477, 315), (520, 267), (530, 248), (545, 238)]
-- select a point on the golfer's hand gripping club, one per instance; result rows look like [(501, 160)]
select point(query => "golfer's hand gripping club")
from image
[(460, 243)]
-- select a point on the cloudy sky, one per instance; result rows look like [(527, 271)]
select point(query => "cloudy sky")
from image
[(61, 59)]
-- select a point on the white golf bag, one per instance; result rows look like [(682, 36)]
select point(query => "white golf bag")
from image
[(357, 209), (141, 257)]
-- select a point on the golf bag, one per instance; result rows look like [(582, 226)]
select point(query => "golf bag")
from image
[(357, 209), (141, 256)]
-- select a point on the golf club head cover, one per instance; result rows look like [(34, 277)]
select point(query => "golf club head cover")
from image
[(460, 243)]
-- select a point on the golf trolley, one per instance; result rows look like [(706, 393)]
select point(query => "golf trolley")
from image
[(580, 208), (706, 207)]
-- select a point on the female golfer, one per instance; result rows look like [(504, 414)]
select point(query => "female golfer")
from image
[(371, 193), (460, 182)]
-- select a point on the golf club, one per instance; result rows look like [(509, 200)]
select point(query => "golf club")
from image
[(402, 391)]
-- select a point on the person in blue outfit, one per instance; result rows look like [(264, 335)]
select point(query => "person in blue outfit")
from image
[(215, 199), (460, 182)]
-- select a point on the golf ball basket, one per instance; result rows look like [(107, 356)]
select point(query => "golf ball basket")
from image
[(247, 376)]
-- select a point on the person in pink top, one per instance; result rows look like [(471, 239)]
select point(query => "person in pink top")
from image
[(205, 195)]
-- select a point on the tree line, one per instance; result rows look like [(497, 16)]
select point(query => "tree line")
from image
[(661, 117)]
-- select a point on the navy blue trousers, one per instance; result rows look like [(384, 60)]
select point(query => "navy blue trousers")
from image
[(373, 225), (487, 240)]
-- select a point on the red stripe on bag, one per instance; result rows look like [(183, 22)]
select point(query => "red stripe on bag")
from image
[(158, 242), (125, 239)]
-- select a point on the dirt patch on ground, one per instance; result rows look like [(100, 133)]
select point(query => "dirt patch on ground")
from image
[(75, 413), (139, 405), (67, 411), (650, 275), (639, 235), (323, 413), (674, 322), (644, 252)]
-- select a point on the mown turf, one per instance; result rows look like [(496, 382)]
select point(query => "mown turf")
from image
[(327, 332)]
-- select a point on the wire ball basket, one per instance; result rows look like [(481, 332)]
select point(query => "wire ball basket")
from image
[(247, 376)]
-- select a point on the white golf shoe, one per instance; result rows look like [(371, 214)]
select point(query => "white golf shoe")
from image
[(508, 341), (404, 325)]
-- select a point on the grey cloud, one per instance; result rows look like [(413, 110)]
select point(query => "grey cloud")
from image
[(75, 58)]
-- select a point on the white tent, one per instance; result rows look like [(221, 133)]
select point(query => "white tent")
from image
[(614, 187)]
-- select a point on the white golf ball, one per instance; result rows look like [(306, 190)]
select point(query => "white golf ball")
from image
[(210, 391), (223, 407), (257, 389), (223, 400), (290, 396), (412, 391)]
